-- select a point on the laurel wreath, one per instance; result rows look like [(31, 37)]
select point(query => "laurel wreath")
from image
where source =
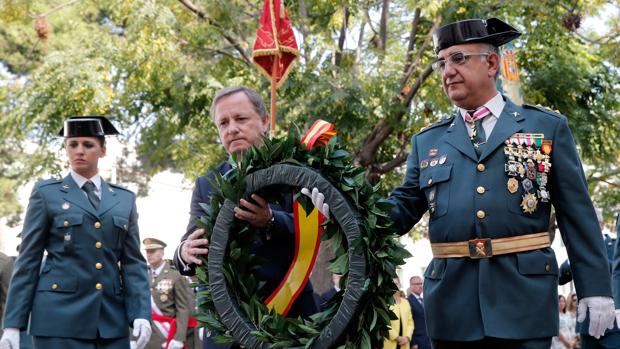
[(378, 242)]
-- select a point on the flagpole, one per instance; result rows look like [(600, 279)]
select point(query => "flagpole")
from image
[(274, 78)]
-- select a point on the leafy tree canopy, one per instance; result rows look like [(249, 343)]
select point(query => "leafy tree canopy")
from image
[(154, 66)]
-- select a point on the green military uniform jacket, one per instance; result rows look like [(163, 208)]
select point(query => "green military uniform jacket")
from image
[(171, 293), (94, 280), (512, 296)]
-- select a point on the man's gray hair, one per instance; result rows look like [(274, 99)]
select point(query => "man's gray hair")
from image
[(493, 49), (252, 95)]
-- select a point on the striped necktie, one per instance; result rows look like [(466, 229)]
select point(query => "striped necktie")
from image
[(475, 118), (89, 188)]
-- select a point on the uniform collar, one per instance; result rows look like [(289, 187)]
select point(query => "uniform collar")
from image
[(495, 106), (159, 269), (80, 180)]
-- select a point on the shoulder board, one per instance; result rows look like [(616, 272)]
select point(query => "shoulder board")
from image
[(45, 182), (543, 109), (441, 122), (171, 264), (116, 186)]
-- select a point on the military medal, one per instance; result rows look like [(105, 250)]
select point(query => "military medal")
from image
[(424, 164), (432, 152), (529, 203), (512, 185), (65, 205), (163, 297), (442, 159), (434, 162)]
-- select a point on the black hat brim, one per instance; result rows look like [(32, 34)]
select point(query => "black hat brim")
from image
[(87, 126)]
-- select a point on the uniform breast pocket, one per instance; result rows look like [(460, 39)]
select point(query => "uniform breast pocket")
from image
[(121, 226), (65, 226), (435, 182)]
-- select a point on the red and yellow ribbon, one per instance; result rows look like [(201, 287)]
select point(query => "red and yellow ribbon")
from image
[(308, 230), (319, 133)]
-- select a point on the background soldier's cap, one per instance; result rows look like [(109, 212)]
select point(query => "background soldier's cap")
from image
[(493, 31), (153, 244), (87, 126)]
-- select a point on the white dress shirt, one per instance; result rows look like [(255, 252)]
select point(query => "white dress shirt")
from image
[(495, 106), (80, 180)]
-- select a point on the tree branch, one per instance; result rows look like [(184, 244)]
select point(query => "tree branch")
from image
[(414, 32), (202, 15), (358, 50), (416, 61), (55, 9), (342, 37), (383, 26)]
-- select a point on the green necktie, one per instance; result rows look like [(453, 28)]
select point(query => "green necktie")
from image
[(89, 188), (478, 136)]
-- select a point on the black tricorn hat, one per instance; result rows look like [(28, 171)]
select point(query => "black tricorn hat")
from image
[(493, 31), (87, 126)]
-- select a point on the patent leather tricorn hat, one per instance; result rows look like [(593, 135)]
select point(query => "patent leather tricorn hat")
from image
[(493, 31), (87, 126)]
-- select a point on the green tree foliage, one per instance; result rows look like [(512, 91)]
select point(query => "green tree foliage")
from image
[(153, 67)]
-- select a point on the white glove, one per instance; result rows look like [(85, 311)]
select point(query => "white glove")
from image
[(602, 314), (10, 338), (142, 331), (317, 200), (174, 344), (618, 317), (133, 345)]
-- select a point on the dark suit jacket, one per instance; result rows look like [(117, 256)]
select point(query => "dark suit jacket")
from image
[(507, 296), (420, 336), (94, 281), (276, 246)]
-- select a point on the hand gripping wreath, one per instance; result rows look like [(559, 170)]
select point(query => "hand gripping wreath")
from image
[(365, 247)]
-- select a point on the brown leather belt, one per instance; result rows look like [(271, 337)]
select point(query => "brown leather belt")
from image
[(485, 248)]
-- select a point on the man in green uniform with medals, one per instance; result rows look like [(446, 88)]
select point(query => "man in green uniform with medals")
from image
[(488, 176), (172, 300)]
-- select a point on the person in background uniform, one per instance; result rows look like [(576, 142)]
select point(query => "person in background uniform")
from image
[(241, 118), (6, 269), (420, 338), (611, 339), (488, 176), (172, 300), (401, 328), (93, 284), (25, 340)]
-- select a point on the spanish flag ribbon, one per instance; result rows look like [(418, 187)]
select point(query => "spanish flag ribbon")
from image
[(319, 133), (308, 230)]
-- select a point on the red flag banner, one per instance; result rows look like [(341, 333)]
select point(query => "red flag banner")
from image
[(275, 41)]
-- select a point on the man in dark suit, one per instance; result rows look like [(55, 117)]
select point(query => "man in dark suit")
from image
[(241, 119), (327, 295), (488, 176), (420, 339)]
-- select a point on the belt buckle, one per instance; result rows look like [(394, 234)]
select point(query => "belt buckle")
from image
[(480, 248)]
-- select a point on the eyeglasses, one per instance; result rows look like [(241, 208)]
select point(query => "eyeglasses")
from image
[(457, 58)]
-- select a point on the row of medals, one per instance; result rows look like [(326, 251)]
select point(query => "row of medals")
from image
[(528, 164)]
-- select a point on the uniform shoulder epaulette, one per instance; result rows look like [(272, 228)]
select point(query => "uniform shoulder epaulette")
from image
[(539, 107), (116, 186), (44, 182), (441, 122)]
